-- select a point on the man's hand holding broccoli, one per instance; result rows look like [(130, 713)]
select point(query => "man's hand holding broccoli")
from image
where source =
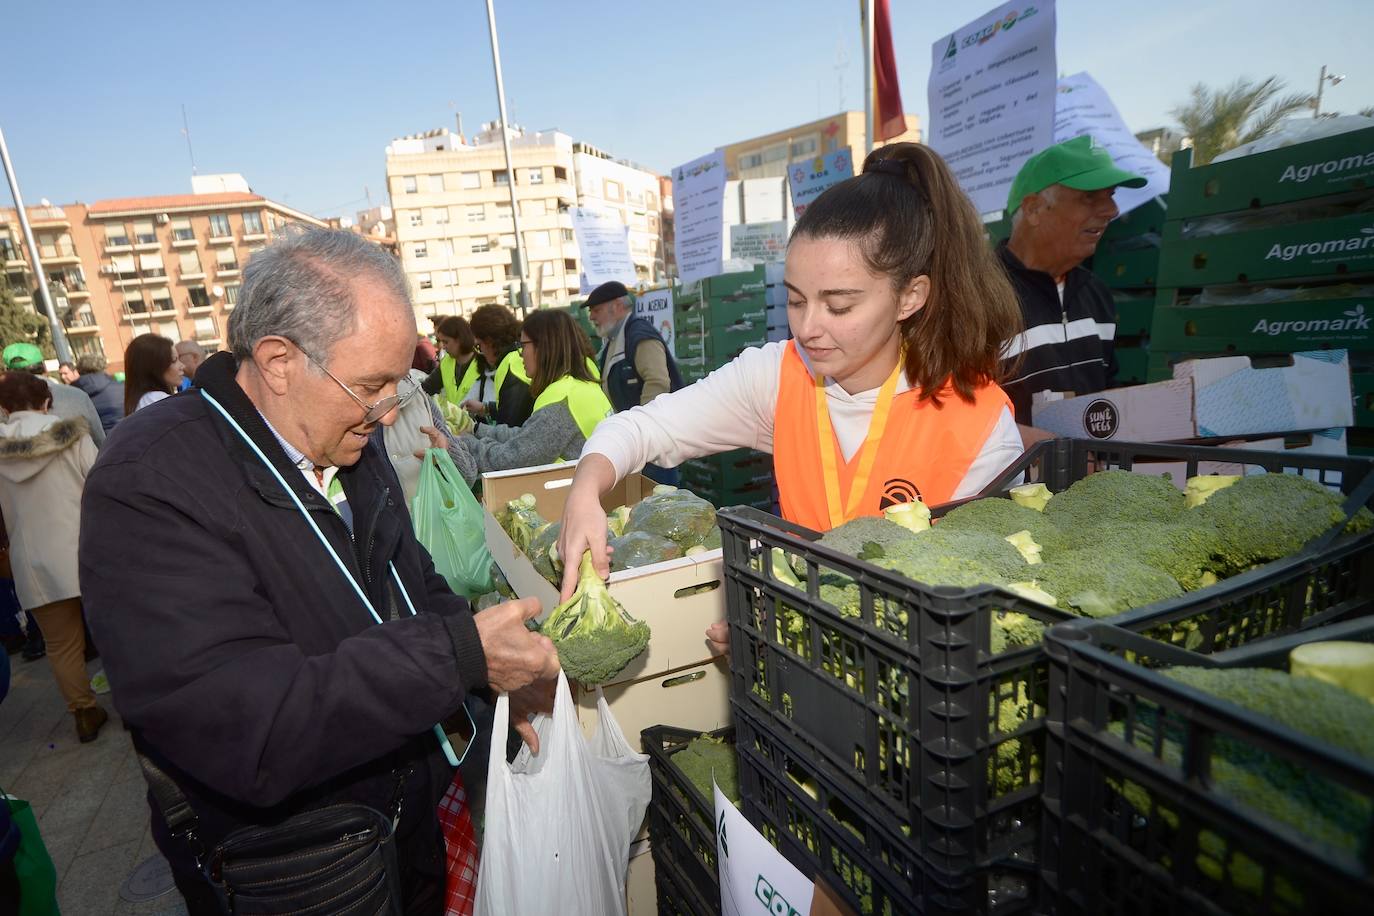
[(517, 660)]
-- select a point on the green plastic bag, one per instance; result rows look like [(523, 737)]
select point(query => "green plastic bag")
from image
[(32, 864), (449, 523)]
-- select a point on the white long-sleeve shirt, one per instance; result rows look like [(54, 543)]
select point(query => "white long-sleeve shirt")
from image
[(733, 408)]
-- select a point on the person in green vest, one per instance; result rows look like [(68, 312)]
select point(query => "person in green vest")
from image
[(498, 339), (568, 401), (460, 365)]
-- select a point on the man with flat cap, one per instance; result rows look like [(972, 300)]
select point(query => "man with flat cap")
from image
[(635, 364), (1060, 204)]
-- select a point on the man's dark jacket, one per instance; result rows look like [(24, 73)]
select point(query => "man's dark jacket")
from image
[(239, 653), (1070, 343), (106, 394), (623, 383)]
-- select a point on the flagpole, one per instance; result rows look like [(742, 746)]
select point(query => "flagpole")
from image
[(867, 11), (59, 336)]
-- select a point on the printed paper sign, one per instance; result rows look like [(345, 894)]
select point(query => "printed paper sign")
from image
[(657, 306), (991, 96), (759, 243), (755, 879), (1083, 107), (603, 242), (698, 199), (808, 178)]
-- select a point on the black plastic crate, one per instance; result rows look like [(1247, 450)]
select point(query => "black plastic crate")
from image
[(905, 710), (676, 894), (681, 818), (1135, 824)]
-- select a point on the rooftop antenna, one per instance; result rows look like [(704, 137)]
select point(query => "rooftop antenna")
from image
[(186, 129)]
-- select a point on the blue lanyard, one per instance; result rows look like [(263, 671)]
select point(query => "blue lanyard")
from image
[(453, 758)]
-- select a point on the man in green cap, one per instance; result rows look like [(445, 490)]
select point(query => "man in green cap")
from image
[(1060, 204), (67, 402)]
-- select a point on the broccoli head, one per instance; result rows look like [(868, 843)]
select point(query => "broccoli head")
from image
[(522, 521), (1268, 516), (594, 635), (876, 534), (639, 548), (938, 548), (1109, 498), (1013, 630), (1093, 585), (1002, 517), (705, 759), (678, 515), (1184, 548)]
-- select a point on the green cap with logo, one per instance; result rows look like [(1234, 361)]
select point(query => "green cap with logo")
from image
[(22, 356), (1078, 163)]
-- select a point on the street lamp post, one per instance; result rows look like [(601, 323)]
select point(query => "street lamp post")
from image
[(1335, 80), (59, 335), (519, 253)]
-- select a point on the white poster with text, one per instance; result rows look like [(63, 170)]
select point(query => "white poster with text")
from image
[(698, 197), (1083, 107), (759, 243), (991, 96), (603, 242), (754, 877), (657, 306)]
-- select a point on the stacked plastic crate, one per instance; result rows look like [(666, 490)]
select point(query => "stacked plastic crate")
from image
[(1127, 260), (713, 321), (1273, 254)]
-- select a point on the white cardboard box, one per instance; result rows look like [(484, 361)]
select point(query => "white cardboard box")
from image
[(1144, 413), (1233, 398), (678, 599)]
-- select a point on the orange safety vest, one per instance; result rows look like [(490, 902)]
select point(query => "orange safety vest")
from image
[(923, 451)]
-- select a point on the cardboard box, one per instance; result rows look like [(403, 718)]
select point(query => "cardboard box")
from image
[(641, 896), (1144, 413), (697, 697), (1209, 398), (678, 599), (1321, 442), (1234, 397)]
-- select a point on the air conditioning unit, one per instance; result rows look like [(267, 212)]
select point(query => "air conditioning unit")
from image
[(163, 219), (108, 269)]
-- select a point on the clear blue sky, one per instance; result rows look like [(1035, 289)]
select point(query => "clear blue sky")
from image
[(303, 97)]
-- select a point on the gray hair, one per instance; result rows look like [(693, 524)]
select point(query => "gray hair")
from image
[(301, 288), (90, 363), (191, 344)]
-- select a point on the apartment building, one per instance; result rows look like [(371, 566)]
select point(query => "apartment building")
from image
[(767, 156), (456, 231), (170, 264)]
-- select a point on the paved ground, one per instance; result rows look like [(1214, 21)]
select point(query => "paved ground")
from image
[(89, 798)]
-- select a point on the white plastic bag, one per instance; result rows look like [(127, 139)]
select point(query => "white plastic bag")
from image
[(559, 824)]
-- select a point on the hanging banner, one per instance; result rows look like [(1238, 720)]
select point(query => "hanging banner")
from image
[(809, 177), (1083, 107), (698, 198), (991, 96), (657, 306), (759, 243), (603, 244)]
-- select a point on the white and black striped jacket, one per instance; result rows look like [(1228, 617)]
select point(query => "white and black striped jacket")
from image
[(1066, 346)]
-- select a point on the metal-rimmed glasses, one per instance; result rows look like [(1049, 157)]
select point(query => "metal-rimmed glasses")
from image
[(405, 389)]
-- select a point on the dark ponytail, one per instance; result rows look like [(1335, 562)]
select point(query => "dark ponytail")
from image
[(909, 217)]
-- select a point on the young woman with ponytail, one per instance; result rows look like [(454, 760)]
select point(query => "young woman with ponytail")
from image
[(888, 389)]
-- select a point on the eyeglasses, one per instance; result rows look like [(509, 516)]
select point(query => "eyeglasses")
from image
[(405, 389), (526, 342)]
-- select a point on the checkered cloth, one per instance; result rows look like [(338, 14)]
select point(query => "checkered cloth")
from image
[(460, 846)]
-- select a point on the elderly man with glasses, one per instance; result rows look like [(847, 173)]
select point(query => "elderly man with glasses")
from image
[(274, 636)]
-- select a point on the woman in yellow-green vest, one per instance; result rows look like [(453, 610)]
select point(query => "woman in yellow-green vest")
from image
[(460, 365), (568, 400), (507, 400)]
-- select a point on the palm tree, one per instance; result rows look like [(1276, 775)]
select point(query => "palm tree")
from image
[(1221, 119)]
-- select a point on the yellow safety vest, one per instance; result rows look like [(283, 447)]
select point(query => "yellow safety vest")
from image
[(454, 390), (511, 362), (586, 401)]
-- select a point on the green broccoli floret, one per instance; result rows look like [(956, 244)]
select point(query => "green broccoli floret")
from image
[(1002, 517), (1010, 768), (522, 521), (1089, 583), (594, 635), (1185, 548), (1269, 516), (678, 515), (1106, 499), (706, 757), (938, 550), (867, 531), (1014, 630), (640, 548)]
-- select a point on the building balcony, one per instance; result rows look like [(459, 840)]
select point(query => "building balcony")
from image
[(164, 310), (208, 341), (142, 245), (77, 329), (226, 270), (255, 237), (118, 245), (186, 275), (15, 261), (193, 309), (220, 239), (183, 241), (59, 254), (48, 218)]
